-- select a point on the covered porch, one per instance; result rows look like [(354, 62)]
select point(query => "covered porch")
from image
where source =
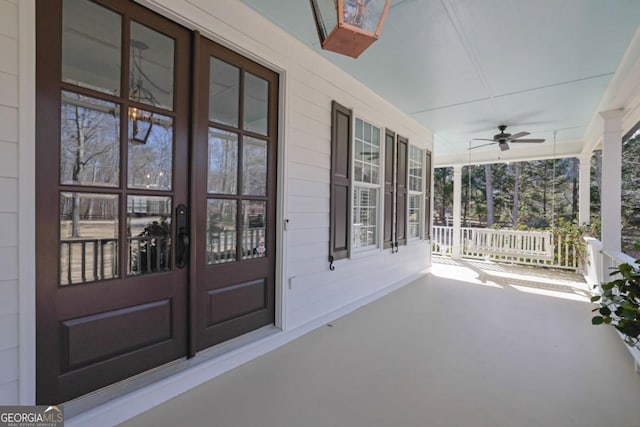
[(472, 344), (390, 333)]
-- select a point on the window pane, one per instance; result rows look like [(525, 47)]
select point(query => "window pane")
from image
[(151, 67), (415, 168), (91, 46), (414, 216), (365, 212), (256, 105), (88, 237), (254, 167), (90, 141), (359, 155), (148, 234), (221, 231), (367, 132), (223, 162), (224, 92), (374, 175), (367, 153), (359, 127), (253, 229), (150, 150)]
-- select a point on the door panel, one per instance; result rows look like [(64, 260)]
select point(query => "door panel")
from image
[(111, 166), (234, 195)]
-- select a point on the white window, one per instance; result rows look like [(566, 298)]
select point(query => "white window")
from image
[(366, 185), (416, 191)]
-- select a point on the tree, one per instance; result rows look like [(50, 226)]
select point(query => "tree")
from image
[(517, 167), (631, 194), (489, 193), (443, 191), (575, 172)]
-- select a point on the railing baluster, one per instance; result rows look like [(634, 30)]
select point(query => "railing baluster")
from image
[(70, 251), (158, 253), (95, 260), (84, 259), (101, 267), (138, 258)]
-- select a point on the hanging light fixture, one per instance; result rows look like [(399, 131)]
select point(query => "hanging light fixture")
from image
[(141, 122), (349, 27)]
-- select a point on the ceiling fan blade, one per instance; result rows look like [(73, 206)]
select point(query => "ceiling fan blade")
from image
[(482, 145), (527, 140), (483, 139), (519, 135)]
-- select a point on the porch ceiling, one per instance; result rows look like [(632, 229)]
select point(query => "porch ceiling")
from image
[(462, 67)]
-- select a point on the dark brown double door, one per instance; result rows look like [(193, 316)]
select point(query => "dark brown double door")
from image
[(155, 155)]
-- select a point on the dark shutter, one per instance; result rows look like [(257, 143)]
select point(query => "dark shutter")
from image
[(340, 205), (389, 188), (427, 196), (401, 191)]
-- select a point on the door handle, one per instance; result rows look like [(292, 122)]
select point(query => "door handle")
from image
[(182, 236)]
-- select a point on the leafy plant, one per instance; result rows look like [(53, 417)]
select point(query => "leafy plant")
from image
[(620, 301), (155, 246), (571, 235)]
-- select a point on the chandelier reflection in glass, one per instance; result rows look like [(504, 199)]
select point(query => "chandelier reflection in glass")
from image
[(349, 27), (142, 122)]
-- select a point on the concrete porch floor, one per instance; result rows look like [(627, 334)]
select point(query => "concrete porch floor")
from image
[(471, 345)]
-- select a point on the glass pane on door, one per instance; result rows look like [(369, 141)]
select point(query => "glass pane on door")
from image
[(256, 105), (221, 231), (88, 237), (91, 43), (254, 229), (148, 234), (150, 150), (90, 141), (254, 167), (224, 92), (151, 66), (222, 177)]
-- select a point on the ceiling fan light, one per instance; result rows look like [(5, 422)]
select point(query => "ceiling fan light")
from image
[(503, 146)]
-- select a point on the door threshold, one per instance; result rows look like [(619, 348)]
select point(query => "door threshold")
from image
[(99, 397)]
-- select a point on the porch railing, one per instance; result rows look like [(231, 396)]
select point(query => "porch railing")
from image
[(510, 246), (222, 245), (87, 260), (600, 264)]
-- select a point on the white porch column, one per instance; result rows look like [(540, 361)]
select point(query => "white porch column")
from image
[(611, 194), (456, 251), (584, 189)]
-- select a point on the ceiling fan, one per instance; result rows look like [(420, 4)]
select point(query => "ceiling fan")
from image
[(502, 139)]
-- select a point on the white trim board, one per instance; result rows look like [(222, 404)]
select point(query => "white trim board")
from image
[(27, 200)]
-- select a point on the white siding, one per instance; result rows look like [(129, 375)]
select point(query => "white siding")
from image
[(9, 393), (8, 203), (8, 19), (8, 297)]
